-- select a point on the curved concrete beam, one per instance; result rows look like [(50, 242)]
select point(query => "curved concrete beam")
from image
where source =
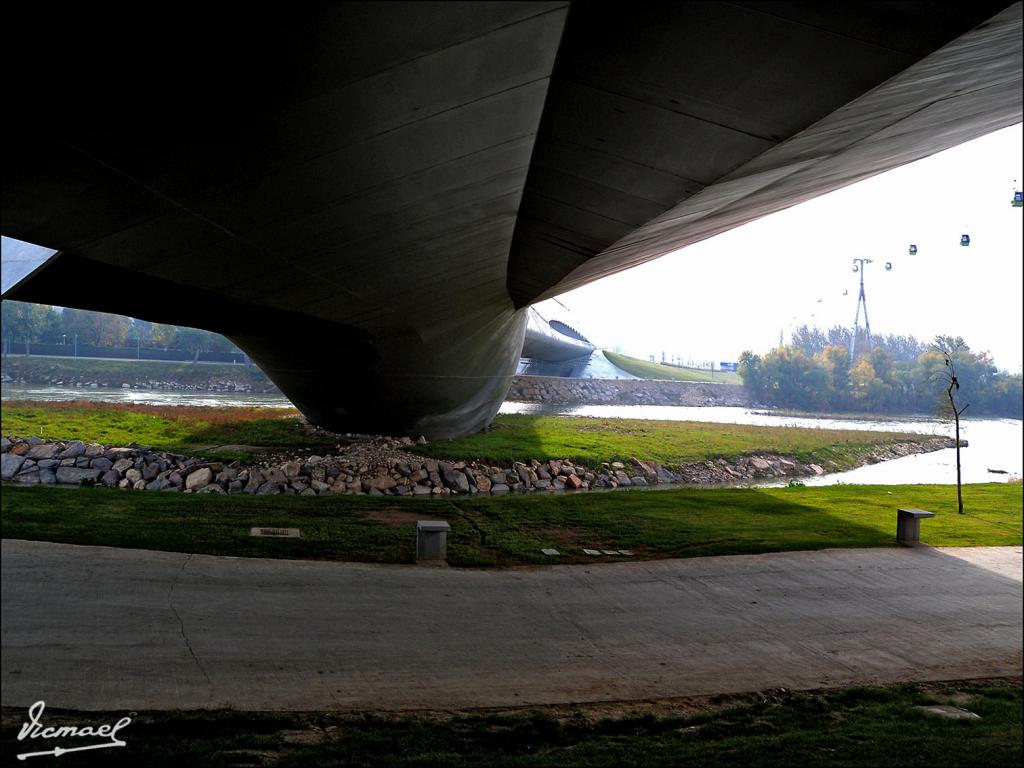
[(542, 342), (366, 196)]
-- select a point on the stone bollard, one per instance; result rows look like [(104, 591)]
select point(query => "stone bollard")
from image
[(432, 540), (908, 525)]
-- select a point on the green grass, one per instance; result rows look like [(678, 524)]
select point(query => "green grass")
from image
[(511, 530), (178, 429), (856, 727), (590, 441), (647, 370), (587, 441)]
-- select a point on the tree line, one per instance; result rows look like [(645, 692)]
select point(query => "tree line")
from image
[(899, 375), (44, 324)]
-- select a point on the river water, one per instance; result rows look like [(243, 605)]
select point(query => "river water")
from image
[(994, 444)]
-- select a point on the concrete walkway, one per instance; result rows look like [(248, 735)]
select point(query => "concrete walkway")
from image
[(99, 628)]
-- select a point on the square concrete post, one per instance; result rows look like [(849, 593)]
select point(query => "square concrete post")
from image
[(908, 525), (432, 539)]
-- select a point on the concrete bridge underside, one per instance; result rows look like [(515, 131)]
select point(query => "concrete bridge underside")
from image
[(366, 197)]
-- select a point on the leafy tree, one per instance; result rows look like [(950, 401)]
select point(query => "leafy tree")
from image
[(27, 322), (164, 336), (811, 340)]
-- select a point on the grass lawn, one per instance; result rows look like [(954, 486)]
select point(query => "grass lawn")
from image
[(648, 370), (855, 727), (511, 530), (590, 441), (180, 429)]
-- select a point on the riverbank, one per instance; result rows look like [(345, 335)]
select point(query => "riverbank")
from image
[(232, 450), (89, 373), (151, 375)]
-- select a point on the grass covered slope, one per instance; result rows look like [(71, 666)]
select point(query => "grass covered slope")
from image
[(590, 441), (511, 530), (647, 370), (583, 440), (179, 429)]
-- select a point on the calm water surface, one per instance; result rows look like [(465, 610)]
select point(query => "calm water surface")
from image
[(994, 443)]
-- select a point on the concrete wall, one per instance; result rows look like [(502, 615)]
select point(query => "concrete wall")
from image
[(548, 389)]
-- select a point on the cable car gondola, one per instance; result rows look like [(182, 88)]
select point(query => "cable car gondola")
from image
[(1018, 199), (888, 266), (912, 250), (965, 240)]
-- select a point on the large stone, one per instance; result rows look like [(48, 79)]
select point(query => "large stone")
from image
[(291, 468), (77, 475), (275, 475), (256, 479), (5, 445), (456, 481), (573, 481), (10, 463), (200, 478), (133, 476), (44, 451), (20, 449), (122, 465), (101, 463), (73, 451), (483, 483), (47, 477), (93, 449), (28, 476), (110, 478), (758, 463), (381, 483)]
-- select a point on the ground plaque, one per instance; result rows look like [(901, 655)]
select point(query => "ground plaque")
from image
[(277, 533)]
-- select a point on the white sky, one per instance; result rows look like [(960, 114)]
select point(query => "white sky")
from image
[(733, 292)]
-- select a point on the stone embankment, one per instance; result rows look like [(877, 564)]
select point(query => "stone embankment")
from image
[(381, 466), (558, 391), (134, 375)]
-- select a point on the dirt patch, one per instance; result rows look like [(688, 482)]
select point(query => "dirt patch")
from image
[(397, 518)]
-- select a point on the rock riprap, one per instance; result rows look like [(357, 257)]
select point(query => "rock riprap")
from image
[(380, 466)]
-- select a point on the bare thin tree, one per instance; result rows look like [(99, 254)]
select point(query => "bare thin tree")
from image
[(948, 348)]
